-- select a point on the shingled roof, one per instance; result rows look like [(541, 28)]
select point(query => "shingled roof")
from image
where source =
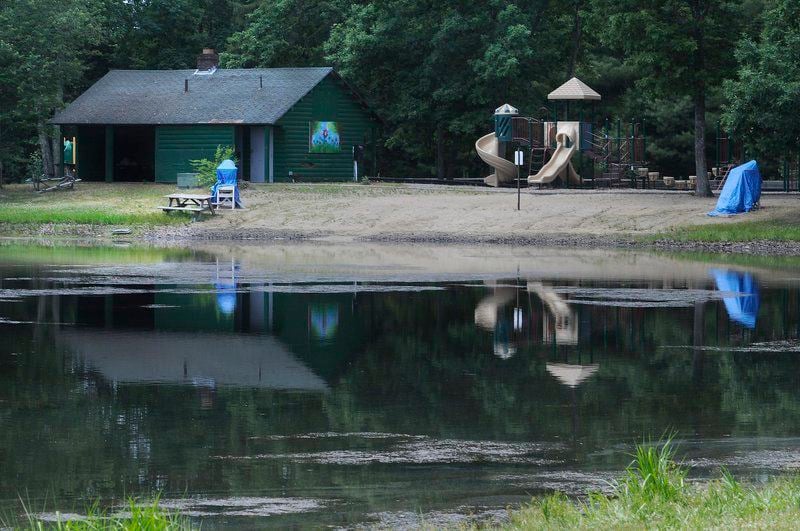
[(574, 89), (235, 96)]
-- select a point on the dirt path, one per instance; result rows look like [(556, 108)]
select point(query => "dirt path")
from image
[(397, 211)]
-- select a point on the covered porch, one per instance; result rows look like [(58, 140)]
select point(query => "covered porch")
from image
[(154, 153)]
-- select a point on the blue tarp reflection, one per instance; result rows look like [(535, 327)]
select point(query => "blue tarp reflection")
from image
[(742, 305)]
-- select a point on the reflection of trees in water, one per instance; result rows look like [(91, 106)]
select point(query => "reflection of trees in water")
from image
[(445, 376), (420, 366)]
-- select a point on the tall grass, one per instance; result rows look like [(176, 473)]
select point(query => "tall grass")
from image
[(135, 517), (653, 474), (654, 494)]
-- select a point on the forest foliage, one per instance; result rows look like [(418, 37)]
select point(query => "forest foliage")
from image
[(434, 71)]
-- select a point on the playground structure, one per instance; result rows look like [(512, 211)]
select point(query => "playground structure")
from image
[(611, 154), (728, 153), (564, 146)]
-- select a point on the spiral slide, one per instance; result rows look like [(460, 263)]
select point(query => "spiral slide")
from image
[(559, 164), (504, 171)]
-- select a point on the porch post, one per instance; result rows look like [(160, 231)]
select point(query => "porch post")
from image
[(109, 153), (270, 140)]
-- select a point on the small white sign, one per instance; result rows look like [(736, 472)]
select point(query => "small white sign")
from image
[(519, 157)]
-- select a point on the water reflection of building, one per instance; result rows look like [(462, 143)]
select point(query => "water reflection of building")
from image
[(323, 320), (203, 360), (226, 333)]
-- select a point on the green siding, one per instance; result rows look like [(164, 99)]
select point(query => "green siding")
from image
[(177, 145), (329, 100), (91, 152)]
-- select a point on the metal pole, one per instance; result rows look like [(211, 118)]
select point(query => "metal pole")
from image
[(519, 159), (518, 186), (730, 148), (644, 142), (717, 144), (786, 174)]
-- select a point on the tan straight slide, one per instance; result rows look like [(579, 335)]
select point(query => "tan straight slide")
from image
[(559, 164), (504, 171)]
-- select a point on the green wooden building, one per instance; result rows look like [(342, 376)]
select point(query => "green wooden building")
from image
[(286, 124)]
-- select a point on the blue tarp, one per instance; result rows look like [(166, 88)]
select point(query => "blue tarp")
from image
[(741, 192), (226, 175), (743, 302)]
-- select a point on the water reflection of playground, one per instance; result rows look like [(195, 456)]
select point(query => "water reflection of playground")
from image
[(560, 324), (316, 321)]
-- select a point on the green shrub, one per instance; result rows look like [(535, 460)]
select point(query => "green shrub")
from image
[(34, 168), (207, 169), (653, 474)]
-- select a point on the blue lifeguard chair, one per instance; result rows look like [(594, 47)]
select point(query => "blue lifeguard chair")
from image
[(225, 191)]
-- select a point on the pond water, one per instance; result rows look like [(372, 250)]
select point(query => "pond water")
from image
[(308, 384)]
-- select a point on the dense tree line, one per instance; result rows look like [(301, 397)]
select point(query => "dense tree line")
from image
[(434, 71)]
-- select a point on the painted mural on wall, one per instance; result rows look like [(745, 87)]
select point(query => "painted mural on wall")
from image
[(323, 137)]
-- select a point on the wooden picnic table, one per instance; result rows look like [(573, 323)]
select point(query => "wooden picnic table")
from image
[(196, 203)]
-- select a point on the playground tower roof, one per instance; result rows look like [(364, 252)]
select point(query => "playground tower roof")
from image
[(574, 89), (506, 108)]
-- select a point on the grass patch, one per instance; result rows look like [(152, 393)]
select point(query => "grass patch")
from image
[(743, 231), (100, 204), (135, 517), (84, 216), (654, 494)]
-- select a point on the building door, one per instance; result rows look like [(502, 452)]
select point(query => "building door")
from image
[(257, 154)]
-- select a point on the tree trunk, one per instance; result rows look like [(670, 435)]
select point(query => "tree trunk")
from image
[(441, 165), (699, 12), (1, 162), (577, 33), (46, 147), (698, 341), (702, 188), (58, 151)]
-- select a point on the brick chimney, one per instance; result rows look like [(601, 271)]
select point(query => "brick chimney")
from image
[(208, 60)]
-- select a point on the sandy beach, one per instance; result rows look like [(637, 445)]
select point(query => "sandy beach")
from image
[(469, 215), (340, 212)]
